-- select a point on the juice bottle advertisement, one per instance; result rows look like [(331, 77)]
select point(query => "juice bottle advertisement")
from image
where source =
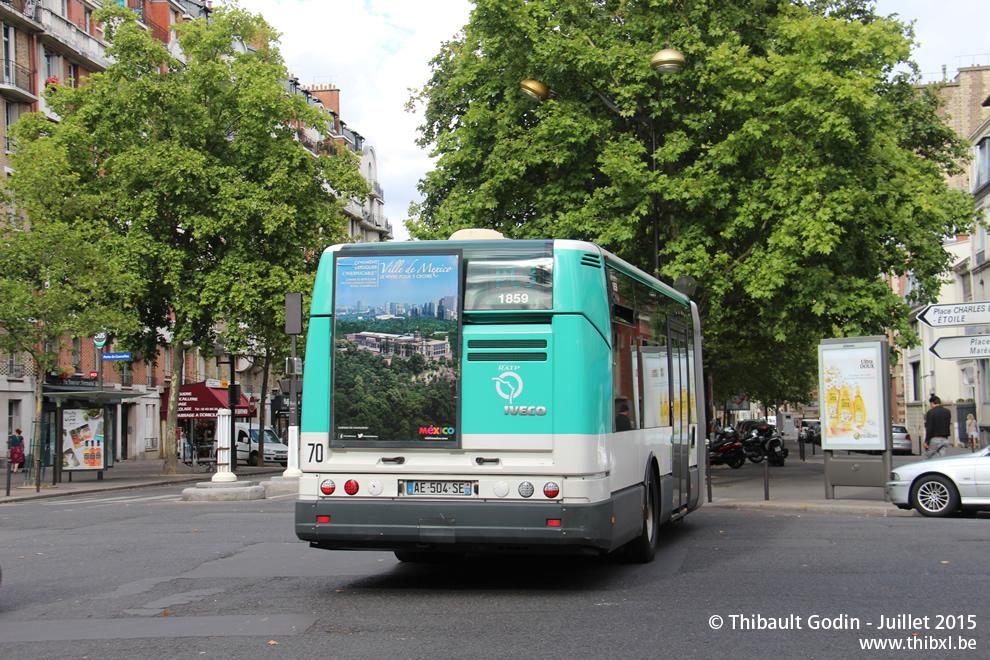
[(82, 439), (852, 410)]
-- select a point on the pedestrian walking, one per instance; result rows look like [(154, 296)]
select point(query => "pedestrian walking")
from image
[(15, 450), (972, 432), (938, 423)]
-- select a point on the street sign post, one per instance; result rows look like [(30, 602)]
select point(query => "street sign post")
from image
[(961, 348), (945, 316)]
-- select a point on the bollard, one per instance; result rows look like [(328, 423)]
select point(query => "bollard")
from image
[(224, 451), (708, 468), (292, 466), (766, 479)]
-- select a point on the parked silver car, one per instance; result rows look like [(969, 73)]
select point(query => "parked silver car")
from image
[(901, 440), (943, 486)]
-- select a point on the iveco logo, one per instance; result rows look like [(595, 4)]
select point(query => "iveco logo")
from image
[(509, 386)]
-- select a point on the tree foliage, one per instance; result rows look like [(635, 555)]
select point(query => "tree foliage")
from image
[(191, 173), (795, 166)]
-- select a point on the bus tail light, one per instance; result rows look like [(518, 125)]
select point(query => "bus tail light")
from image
[(526, 489), (351, 487), (327, 486), (322, 519), (551, 490), (551, 522)]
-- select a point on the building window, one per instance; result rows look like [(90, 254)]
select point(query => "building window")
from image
[(13, 415), (73, 75), (967, 286), (167, 361), (53, 66), (916, 381), (77, 354), (9, 59), (11, 115), (981, 164), (15, 369)]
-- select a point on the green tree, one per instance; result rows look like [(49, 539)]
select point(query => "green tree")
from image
[(194, 175), (794, 168), (54, 282)]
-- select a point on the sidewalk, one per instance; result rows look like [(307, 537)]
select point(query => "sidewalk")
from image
[(799, 486), (123, 475)]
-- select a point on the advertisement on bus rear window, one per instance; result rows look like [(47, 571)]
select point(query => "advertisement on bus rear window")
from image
[(395, 334)]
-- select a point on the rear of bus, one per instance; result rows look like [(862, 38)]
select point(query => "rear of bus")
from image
[(458, 398)]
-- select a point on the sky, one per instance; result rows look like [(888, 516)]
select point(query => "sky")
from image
[(375, 51)]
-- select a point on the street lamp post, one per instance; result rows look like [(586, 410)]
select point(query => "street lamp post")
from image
[(664, 61)]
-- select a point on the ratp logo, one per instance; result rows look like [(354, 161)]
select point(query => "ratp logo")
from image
[(506, 379)]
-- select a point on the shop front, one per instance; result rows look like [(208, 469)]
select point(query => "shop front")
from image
[(197, 415)]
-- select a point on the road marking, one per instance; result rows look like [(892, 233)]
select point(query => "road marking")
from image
[(97, 500), (147, 628)]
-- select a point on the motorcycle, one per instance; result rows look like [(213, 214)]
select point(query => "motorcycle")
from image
[(765, 442), (753, 446), (726, 449)]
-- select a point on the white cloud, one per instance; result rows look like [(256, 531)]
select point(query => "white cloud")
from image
[(950, 33), (374, 51)]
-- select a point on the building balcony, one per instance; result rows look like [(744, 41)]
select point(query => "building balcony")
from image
[(376, 190), (377, 222), (18, 9), (17, 83), (66, 35)]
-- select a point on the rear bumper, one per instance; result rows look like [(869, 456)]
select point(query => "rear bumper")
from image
[(456, 526)]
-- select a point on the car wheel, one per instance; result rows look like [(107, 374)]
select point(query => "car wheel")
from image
[(935, 495), (253, 458)]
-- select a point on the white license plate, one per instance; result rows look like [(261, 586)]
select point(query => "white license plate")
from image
[(422, 488)]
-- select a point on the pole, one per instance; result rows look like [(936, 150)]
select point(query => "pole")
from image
[(230, 400), (293, 327), (656, 201)]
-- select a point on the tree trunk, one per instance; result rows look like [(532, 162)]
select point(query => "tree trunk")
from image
[(262, 418), (169, 453)]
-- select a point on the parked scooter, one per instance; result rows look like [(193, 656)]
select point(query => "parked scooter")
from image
[(765, 442), (753, 445), (726, 449)]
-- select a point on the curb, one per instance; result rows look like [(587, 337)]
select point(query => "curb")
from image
[(889, 511), (170, 480)]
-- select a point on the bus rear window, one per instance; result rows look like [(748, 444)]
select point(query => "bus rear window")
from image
[(509, 281)]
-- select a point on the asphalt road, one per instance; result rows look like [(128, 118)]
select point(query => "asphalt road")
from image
[(138, 574)]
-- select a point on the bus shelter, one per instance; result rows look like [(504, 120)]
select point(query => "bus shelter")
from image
[(83, 432)]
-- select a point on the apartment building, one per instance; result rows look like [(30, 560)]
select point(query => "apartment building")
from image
[(963, 384), (48, 42)]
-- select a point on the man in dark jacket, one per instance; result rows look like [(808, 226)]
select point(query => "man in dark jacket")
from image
[(938, 422)]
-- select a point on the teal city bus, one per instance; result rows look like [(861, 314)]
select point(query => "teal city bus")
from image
[(470, 396)]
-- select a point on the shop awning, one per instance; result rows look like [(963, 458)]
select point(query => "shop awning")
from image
[(198, 400)]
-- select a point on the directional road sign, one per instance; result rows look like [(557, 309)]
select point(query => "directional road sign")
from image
[(944, 316), (962, 348)]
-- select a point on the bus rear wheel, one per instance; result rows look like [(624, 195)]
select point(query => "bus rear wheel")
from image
[(642, 549)]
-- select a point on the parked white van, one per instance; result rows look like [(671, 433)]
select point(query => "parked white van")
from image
[(275, 450)]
